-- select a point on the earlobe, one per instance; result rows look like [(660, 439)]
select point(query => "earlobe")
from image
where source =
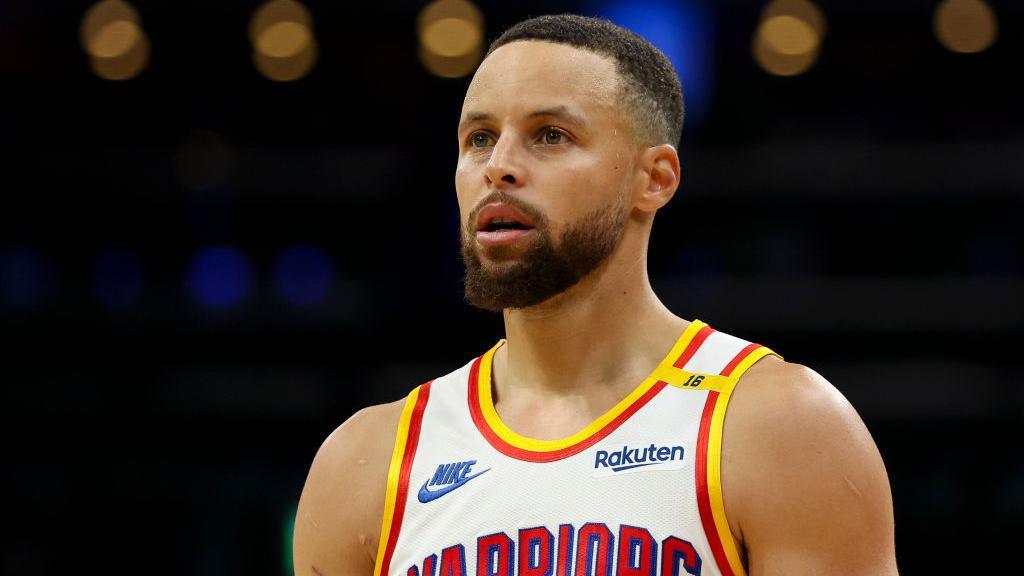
[(662, 167)]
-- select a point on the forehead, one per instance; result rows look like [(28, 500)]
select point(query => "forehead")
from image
[(525, 75)]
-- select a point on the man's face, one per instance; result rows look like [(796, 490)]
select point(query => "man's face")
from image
[(543, 176)]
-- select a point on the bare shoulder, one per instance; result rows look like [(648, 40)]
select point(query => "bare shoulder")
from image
[(337, 524), (802, 477)]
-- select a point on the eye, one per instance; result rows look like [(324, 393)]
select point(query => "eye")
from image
[(554, 136), (478, 139)]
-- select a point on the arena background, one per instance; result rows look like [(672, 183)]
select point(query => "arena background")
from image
[(224, 230)]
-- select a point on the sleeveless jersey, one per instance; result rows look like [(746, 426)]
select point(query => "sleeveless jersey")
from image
[(635, 493)]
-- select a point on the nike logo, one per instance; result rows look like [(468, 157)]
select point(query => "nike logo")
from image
[(449, 477)]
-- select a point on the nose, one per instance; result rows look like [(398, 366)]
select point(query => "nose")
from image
[(504, 167)]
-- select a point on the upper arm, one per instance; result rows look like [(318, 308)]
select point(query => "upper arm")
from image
[(805, 488), (338, 520)]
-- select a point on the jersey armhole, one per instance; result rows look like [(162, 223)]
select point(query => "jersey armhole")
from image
[(406, 440), (724, 547)]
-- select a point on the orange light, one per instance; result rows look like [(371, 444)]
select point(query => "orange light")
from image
[(284, 47), (111, 34), (451, 34), (788, 39), (965, 26)]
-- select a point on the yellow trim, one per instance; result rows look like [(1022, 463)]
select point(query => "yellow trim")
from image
[(681, 379), (393, 473), (665, 371), (714, 464)]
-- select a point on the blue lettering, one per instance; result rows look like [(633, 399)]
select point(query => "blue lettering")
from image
[(442, 472), (453, 473), (465, 469)]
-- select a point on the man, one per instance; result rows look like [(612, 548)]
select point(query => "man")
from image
[(593, 439)]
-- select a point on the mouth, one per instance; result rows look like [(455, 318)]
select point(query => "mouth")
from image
[(501, 224)]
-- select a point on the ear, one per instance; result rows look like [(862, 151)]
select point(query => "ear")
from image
[(659, 167)]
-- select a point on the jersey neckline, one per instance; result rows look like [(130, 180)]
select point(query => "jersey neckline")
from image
[(509, 442)]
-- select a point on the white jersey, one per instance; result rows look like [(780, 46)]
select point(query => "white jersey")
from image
[(636, 493)]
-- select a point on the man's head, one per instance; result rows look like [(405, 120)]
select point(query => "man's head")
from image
[(566, 146)]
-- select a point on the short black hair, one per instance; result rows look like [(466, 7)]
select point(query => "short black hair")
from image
[(651, 90)]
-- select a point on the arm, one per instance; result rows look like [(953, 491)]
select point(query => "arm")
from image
[(337, 524), (805, 488)]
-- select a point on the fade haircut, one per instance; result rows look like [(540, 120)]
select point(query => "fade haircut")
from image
[(649, 88)]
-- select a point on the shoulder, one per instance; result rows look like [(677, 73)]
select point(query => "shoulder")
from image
[(337, 524), (801, 475)]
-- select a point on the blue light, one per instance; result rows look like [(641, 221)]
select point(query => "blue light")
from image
[(117, 278), (303, 275), (27, 277), (683, 30), (219, 276)]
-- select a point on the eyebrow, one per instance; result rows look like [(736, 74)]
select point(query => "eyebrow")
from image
[(555, 112)]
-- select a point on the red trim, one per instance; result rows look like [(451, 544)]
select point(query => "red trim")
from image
[(546, 456), (692, 347), (403, 477), (739, 358), (703, 499)]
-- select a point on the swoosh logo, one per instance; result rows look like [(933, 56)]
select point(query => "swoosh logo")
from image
[(426, 495)]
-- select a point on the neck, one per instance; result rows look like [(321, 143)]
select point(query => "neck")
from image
[(608, 331)]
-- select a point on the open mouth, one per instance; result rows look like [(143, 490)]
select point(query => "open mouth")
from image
[(499, 224)]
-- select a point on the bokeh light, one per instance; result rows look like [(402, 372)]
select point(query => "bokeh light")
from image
[(451, 34), (303, 275), (219, 276), (284, 46), (965, 26), (788, 38), (117, 278), (683, 31), (111, 34), (28, 277)]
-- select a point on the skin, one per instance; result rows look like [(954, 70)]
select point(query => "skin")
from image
[(802, 477)]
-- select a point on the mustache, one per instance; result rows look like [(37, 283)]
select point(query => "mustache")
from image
[(538, 218)]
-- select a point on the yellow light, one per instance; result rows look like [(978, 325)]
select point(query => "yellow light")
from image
[(101, 15), (284, 47), (788, 39), (286, 69), (451, 34), (782, 64), (789, 35), (112, 35), (115, 39), (965, 26), (125, 66), (800, 9), (451, 37), (283, 39)]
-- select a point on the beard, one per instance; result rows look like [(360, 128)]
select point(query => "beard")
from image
[(544, 269)]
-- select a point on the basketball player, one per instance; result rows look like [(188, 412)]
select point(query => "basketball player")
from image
[(604, 435)]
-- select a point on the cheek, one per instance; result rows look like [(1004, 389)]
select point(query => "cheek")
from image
[(572, 191), (463, 194)]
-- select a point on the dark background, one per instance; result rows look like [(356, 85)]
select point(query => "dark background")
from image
[(861, 218)]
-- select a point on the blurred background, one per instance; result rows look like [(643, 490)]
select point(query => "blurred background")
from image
[(226, 226)]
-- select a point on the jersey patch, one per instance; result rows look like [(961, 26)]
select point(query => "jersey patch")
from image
[(627, 459)]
